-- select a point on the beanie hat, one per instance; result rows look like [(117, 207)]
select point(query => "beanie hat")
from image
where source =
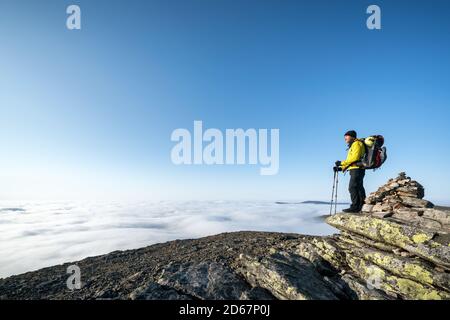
[(351, 133)]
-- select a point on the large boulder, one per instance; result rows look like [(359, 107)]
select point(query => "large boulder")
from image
[(286, 276)]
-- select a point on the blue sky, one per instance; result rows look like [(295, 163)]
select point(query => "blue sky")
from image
[(89, 113)]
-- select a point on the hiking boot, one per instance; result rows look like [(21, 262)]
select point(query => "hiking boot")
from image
[(351, 210)]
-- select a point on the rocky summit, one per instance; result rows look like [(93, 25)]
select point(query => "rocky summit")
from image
[(398, 248)]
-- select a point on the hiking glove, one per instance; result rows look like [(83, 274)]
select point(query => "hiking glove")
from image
[(336, 169), (338, 163)]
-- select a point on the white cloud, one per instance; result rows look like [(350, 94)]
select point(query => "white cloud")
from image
[(34, 235)]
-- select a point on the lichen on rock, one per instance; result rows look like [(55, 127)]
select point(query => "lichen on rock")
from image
[(412, 239)]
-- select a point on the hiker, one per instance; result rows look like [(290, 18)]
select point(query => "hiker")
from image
[(356, 151)]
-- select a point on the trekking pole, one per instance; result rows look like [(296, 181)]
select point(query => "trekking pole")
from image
[(335, 195), (332, 192)]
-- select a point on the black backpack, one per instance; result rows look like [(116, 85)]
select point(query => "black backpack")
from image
[(375, 154)]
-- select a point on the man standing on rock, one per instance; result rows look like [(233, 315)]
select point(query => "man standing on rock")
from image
[(356, 151)]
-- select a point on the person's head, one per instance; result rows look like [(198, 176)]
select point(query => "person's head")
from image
[(350, 136)]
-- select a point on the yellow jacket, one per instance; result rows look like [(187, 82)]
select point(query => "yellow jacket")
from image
[(355, 153)]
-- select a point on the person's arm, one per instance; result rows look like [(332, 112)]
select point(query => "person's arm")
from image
[(354, 155)]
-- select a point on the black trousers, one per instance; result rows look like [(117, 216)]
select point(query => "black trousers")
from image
[(356, 188)]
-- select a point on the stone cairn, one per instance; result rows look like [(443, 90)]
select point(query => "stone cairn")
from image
[(402, 200), (401, 242)]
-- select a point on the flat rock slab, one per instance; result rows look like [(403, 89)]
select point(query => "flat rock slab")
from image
[(209, 281), (286, 276), (409, 238)]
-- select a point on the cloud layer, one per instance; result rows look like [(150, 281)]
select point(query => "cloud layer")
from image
[(37, 235)]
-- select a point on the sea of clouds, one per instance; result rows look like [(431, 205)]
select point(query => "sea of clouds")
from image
[(34, 235)]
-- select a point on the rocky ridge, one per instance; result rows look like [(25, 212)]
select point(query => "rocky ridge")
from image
[(398, 248)]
